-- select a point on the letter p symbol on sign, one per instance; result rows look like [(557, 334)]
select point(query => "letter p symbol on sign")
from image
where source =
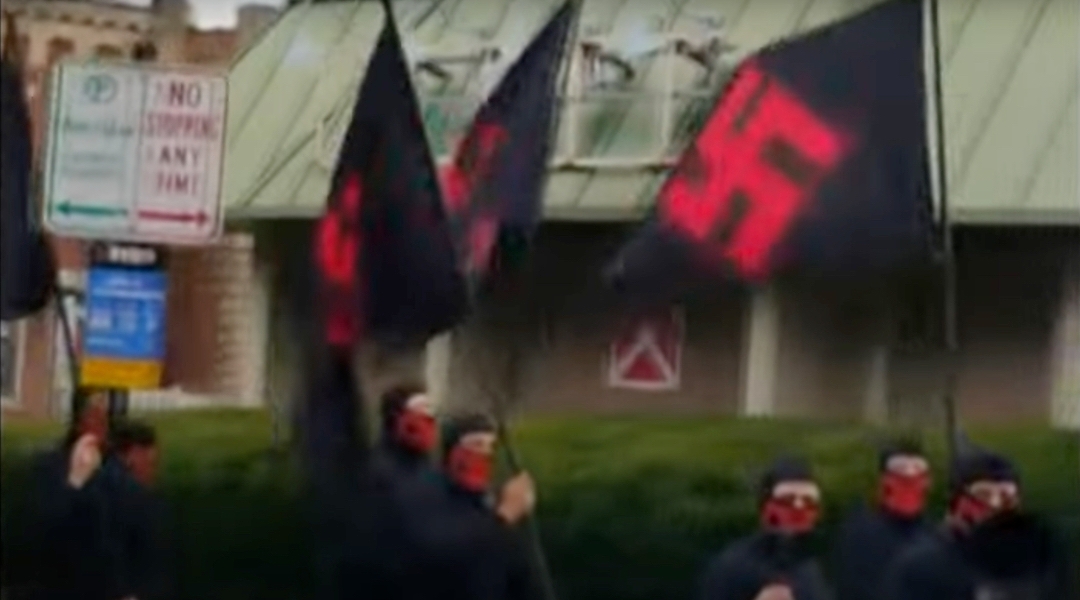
[(758, 161)]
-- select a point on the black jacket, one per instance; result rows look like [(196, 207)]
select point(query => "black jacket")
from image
[(749, 565), (463, 551), (138, 529), (1014, 560), (104, 539), (866, 544)]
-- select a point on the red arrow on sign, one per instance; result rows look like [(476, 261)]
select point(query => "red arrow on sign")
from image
[(199, 218)]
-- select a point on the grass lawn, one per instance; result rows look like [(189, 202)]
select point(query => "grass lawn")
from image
[(629, 507)]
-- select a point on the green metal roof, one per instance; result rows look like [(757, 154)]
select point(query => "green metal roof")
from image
[(1011, 87)]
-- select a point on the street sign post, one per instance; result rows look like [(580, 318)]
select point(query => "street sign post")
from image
[(124, 334), (134, 153)]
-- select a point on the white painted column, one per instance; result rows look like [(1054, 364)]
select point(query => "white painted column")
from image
[(437, 361), (876, 404), (761, 354), (258, 349), (1065, 401)]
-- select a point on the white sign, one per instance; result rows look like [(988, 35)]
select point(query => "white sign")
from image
[(135, 153)]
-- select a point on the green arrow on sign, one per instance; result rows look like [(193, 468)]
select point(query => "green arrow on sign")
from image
[(66, 208)]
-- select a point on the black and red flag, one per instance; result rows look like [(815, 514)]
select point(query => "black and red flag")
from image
[(384, 269), (27, 268), (814, 158), (495, 184), (383, 251)]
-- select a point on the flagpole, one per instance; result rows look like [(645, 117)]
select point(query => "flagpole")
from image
[(547, 583), (948, 252), (69, 341)]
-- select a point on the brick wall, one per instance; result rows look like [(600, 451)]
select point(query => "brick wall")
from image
[(211, 323)]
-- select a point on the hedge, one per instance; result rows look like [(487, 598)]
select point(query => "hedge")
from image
[(629, 509)]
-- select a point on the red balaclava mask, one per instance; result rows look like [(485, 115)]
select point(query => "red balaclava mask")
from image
[(904, 495), (972, 508), (416, 430), (791, 514), (141, 461), (904, 485), (469, 469), (790, 501), (983, 485)]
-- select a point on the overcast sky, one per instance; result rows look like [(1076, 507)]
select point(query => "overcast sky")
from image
[(215, 13)]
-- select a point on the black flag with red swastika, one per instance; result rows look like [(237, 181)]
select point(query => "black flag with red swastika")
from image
[(383, 251), (814, 158), (495, 184), (27, 267)]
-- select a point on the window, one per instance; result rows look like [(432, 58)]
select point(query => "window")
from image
[(9, 363)]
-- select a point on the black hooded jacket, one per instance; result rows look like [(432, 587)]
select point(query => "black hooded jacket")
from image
[(104, 540), (463, 550), (139, 529), (73, 533), (1013, 557), (393, 465), (749, 565), (744, 568), (867, 543)]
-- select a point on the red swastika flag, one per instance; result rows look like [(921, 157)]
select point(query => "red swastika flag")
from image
[(814, 157)]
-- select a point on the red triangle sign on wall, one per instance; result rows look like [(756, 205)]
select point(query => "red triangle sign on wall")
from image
[(647, 353)]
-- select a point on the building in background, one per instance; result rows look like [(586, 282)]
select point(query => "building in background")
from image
[(641, 78), (204, 360)]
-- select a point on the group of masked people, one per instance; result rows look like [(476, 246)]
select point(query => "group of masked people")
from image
[(985, 548), (98, 523), (415, 518), (418, 519)]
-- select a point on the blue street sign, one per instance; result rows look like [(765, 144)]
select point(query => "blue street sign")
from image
[(125, 314)]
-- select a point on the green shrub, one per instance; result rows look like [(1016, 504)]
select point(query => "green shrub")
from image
[(629, 507)]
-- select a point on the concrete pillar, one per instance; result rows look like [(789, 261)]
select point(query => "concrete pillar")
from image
[(762, 353), (876, 406), (1066, 387), (437, 360), (256, 362)]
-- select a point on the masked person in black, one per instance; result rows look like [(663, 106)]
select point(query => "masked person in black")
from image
[(409, 434), (987, 550), (775, 563), (70, 512), (872, 537), (403, 479), (466, 549), (137, 518)]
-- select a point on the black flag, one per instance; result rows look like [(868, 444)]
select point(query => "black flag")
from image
[(814, 157), (27, 269), (495, 184), (383, 250)]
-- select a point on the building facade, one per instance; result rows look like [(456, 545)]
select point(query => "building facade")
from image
[(205, 356), (642, 74)]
